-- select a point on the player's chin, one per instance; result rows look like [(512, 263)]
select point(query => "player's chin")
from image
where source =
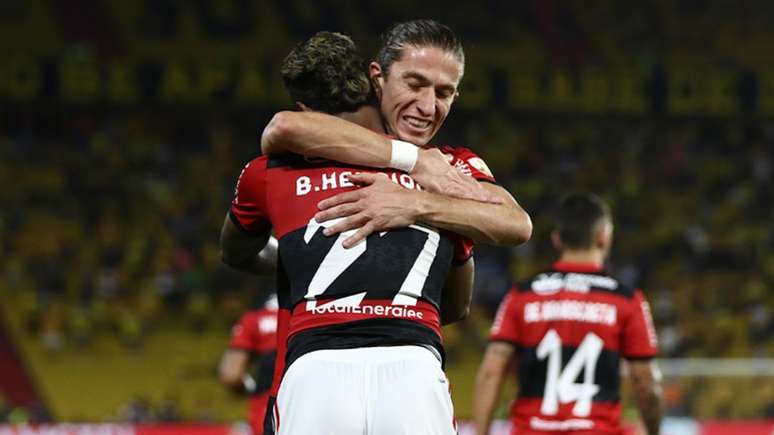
[(415, 137)]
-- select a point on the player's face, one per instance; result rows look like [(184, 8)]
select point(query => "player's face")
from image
[(418, 93)]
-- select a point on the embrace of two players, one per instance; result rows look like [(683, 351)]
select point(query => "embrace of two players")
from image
[(374, 233)]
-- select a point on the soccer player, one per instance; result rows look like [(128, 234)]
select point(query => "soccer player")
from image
[(566, 331), (364, 323), (416, 75), (253, 349)]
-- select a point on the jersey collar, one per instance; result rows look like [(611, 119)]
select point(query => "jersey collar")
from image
[(568, 266)]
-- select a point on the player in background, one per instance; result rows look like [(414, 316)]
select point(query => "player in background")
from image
[(566, 331), (416, 74), (247, 366), (376, 304)]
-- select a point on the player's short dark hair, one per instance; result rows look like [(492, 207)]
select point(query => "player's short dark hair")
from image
[(577, 217), (327, 74), (419, 33)]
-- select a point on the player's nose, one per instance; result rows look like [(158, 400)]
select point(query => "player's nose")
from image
[(426, 102)]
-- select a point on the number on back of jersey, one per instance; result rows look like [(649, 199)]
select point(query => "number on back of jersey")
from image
[(560, 385)]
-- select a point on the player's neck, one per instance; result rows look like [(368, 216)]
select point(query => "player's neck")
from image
[(366, 116), (586, 256)]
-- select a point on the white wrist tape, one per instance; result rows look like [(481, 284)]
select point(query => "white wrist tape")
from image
[(404, 156)]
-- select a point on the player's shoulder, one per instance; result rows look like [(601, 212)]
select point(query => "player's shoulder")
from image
[(464, 159), (456, 150), (259, 160), (256, 164), (551, 281)]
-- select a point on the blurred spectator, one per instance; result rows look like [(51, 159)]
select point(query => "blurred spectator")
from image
[(137, 410), (168, 411)]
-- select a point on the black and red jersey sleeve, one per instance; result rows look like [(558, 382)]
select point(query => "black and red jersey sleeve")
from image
[(248, 209), (469, 163), (244, 333), (506, 323), (639, 334)]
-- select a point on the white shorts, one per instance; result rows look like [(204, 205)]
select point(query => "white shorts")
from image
[(390, 390)]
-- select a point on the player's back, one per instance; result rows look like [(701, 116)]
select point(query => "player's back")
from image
[(571, 326), (383, 291)]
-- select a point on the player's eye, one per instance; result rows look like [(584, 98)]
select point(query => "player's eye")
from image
[(444, 94), (414, 86)]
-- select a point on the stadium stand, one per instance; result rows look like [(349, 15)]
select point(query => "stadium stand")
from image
[(114, 191)]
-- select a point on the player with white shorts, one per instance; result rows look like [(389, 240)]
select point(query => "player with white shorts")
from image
[(373, 391)]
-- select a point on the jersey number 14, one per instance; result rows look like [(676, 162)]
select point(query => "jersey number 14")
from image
[(561, 386)]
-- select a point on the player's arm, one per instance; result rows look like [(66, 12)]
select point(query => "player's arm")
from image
[(233, 370), (250, 252), (639, 347), (500, 224), (382, 205), (457, 293), (489, 381), (245, 238), (316, 134), (646, 385)]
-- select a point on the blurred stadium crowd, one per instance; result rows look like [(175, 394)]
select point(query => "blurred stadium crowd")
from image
[(110, 218)]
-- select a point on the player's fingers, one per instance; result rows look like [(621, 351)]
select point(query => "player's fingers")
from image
[(342, 210), (363, 178), (341, 198), (347, 224), (359, 235)]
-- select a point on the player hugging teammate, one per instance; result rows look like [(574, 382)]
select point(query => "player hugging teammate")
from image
[(368, 243), (369, 266)]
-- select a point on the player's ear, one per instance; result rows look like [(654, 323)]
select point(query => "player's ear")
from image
[(376, 74), (605, 235), (556, 240), (375, 71)]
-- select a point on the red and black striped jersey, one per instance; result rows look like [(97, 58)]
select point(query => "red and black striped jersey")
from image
[(571, 325), (383, 291)]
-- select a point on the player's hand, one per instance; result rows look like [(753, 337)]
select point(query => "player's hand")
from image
[(434, 173), (380, 205)]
